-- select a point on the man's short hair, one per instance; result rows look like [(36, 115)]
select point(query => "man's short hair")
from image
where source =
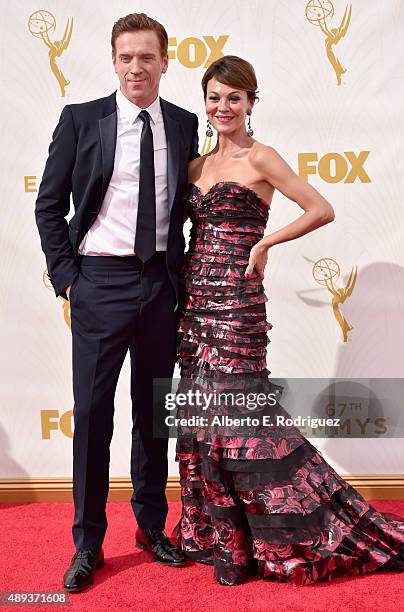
[(139, 21)]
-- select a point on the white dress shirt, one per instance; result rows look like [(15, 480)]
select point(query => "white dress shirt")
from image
[(113, 231)]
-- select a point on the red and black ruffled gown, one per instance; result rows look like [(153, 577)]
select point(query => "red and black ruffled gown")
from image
[(255, 500)]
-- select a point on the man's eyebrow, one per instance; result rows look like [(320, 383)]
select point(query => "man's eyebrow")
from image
[(142, 53)]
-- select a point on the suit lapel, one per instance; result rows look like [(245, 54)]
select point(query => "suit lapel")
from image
[(107, 126), (173, 135)]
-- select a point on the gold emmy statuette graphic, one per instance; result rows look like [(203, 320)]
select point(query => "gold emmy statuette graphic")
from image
[(325, 271), (66, 305), (317, 12), (41, 24), (207, 145)]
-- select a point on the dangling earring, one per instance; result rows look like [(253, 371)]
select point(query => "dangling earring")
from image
[(250, 131), (207, 145), (209, 131)]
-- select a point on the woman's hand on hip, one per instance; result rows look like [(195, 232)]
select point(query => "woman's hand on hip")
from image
[(258, 260)]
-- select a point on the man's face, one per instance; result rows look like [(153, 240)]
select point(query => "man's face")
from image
[(139, 65)]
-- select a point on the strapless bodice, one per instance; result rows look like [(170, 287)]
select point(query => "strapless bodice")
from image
[(222, 323), (226, 221)]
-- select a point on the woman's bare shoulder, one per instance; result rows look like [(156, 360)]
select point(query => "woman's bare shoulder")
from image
[(262, 152), (267, 160)]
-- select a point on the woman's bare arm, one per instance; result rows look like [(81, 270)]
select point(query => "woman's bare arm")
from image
[(317, 210)]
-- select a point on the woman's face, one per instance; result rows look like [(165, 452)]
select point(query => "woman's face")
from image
[(226, 107)]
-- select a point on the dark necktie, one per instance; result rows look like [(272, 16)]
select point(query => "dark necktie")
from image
[(145, 239)]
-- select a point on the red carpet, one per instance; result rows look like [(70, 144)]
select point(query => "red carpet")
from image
[(36, 548)]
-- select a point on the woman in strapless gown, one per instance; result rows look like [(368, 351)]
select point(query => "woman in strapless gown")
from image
[(256, 500)]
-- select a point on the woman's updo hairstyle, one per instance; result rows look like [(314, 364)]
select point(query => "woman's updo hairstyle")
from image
[(234, 72)]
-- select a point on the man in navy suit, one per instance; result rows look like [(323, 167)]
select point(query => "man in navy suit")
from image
[(124, 159)]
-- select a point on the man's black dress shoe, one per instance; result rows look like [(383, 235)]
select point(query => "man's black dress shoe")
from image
[(81, 570), (162, 548)]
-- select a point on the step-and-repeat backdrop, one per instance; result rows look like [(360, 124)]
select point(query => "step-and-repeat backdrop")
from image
[(331, 83)]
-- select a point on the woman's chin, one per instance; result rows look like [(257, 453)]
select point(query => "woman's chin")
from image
[(226, 130)]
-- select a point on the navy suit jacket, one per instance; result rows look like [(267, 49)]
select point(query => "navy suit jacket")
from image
[(81, 162)]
